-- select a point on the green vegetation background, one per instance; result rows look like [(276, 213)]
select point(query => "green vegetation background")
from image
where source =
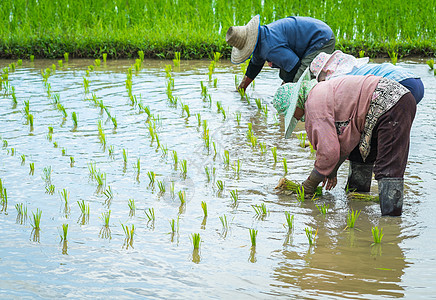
[(196, 28)]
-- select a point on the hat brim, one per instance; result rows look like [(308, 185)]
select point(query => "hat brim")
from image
[(290, 120), (325, 62), (240, 55)]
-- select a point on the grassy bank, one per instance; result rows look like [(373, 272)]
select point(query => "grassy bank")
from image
[(196, 28)]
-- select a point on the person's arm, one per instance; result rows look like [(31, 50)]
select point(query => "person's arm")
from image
[(252, 71)]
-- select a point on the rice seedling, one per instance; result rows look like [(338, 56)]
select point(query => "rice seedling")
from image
[(377, 235), (265, 110), (175, 158), (352, 218), (172, 189), (224, 222), (32, 168), (36, 219), (234, 194), (220, 185), (311, 235), (361, 53), (258, 103), (323, 209), (105, 217), (132, 207), (5, 144), (97, 62), (176, 59), (394, 57), (300, 194), (253, 141), (161, 186), (62, 109), (4, 199), (285, 165), (261, 210), (174, 225), (30, 118), (289, 221), (207, 171), (184, 166), (19, 62), (262, 147), (302, 138), (104, 57), (274, 153), (74, 118), (168, 70), (150, 214), (204, 207), (203, 90), (129, 233), (137, 166), (152, 177), (53, 67), (64, 233), (219, 106), (226, 158), (430, 63), (86, 85), (185, 108), (238, 116), (206, 139), (55, 144), (182, 197), (46, 174), (109, 193), (312, 150), (253, 236), (84, 207), (214, 149), (125, 156), (100, 178), (237, 167), (66, 54), (32, 58), (21, 212), (111, 150), (12, 66), (114, 121), (72, 161), (23, 159), (65, 195), (92, 168), (195, 237), (223, 112), (50, 189), (215, 82)]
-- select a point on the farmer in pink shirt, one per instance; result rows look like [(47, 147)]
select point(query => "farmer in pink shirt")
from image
[(363, 118)]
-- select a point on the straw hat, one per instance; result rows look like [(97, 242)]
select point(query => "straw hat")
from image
[(285, 101), (243, 39), (335, 64)]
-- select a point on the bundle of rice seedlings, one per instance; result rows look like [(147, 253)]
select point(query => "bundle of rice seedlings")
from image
[(289, 185), (362, 197)]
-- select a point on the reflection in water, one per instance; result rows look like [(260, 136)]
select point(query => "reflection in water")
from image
[(348, 266), (64, 247), (203, 223), (35, 235), (128, 243), (195, 258), (105, 233), (252, 258), (83, 219)]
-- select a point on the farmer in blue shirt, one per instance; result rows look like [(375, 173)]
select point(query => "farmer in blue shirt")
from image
[(289, 44)]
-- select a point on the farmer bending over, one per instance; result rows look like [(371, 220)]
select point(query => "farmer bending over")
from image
[(368, 114), (289, 44)]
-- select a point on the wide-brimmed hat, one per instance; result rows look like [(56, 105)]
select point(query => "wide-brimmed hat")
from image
[(243, 39), (335, 64), (285, 101)]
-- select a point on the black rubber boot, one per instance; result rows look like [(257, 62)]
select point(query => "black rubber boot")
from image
[(390, 192), (359, 177)]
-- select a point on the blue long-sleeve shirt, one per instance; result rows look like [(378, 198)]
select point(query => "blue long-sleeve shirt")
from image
[(286, 41)]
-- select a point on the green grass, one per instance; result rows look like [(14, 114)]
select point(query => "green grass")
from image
[(197, 29)]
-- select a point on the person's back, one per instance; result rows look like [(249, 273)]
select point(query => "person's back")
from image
[(386, 70)]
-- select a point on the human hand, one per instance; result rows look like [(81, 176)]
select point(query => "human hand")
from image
[(329, 182)]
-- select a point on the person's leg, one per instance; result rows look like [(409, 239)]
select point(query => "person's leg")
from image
[(360, 171), (328, 48), (393, 135), (415, 86)]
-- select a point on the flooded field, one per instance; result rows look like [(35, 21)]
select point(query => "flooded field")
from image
[(130, 143)]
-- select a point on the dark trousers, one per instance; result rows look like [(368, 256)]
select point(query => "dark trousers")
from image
[(390, 140), (415, 86)]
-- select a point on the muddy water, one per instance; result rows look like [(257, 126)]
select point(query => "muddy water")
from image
[(99, 263)]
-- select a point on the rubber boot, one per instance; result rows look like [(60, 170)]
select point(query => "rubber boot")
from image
[(359, 177), (390, 192)]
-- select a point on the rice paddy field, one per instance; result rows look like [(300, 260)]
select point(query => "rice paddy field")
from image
[(156, 179), (47, 28)]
